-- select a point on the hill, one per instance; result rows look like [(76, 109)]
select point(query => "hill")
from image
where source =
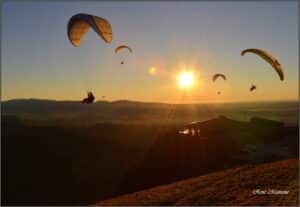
[(197, 148), (229, 187)]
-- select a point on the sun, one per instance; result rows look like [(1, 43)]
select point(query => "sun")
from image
[(185, 79)]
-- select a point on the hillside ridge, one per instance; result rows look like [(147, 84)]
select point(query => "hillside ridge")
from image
[(234, 186)]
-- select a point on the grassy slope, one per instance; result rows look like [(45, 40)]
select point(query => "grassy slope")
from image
[(229, 187)]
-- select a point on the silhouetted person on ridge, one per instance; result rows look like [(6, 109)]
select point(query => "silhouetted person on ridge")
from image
[(90, 99)]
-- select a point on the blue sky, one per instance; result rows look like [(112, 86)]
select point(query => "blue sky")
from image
[(38, 60)]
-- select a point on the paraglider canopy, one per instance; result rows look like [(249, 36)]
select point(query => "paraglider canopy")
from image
[(267, 57), (117, 49), (121, 47), (79, 24), (90, 99), (216, 76)]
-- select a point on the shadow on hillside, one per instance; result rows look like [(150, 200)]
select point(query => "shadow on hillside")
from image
[(204, 147)]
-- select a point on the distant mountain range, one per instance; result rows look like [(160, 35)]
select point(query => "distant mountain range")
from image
[(125, 111)]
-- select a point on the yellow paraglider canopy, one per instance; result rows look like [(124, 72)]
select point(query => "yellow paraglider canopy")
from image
[(79, 24), (267, 57)]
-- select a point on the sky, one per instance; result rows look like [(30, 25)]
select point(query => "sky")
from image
[(38, 61)]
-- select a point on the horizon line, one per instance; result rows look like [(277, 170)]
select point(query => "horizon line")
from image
[(154, 102)]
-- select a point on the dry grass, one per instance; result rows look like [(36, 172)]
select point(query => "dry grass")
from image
[(229, 187)]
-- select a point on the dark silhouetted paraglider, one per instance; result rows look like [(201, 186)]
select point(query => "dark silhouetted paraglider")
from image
[(121, 47), (253, 87), (216, 76), (89, 100)]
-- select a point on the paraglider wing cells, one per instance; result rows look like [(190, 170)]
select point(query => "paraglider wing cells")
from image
[(79, 24), (268, 58), (103, 28), (77, 28)]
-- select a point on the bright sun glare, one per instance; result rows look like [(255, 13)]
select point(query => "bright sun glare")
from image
[(185, 79)]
